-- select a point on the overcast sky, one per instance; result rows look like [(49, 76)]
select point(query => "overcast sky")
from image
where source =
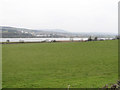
[(70, 15)]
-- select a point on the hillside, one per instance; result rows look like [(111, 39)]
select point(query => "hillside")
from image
[(13, 32)]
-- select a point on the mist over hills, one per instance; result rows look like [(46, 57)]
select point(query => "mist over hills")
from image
[(14, 32)]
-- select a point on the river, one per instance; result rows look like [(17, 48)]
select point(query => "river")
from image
[(42, 39)]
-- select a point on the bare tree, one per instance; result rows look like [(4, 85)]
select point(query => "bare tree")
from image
[(90, 38)]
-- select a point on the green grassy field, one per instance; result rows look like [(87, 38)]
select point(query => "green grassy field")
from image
[(55, 65)]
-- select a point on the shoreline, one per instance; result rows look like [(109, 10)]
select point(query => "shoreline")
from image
[(63, 41), (39, 42)]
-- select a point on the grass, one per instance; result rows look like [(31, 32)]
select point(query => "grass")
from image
[(55, 65)]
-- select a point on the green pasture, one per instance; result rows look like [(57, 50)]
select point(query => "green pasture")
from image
[(57, 65)]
